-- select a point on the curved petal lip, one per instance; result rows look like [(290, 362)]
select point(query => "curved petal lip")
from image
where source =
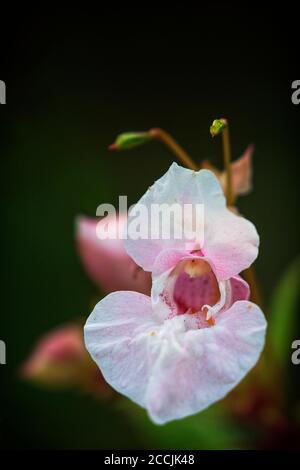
[(163, 367), (216, 360)]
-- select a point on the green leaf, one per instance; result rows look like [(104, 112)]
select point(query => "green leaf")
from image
[(283, 313)]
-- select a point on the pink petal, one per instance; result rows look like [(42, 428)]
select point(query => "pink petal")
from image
[(169, 292), (195, 292), (107, 262), (230, 241), (163, 283), (239, 289), (241, 173), (168, 259), (174, 292)]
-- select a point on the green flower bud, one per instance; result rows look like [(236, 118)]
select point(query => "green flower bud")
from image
[(217, 126), (128, 140)]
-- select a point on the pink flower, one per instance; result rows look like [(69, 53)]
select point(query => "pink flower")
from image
[(106, 261), (60, 360), (198, 335)]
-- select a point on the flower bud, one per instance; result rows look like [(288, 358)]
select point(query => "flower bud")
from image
[(60, 360), (217, 126), (129, 140)]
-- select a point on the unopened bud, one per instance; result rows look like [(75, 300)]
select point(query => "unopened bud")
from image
[(217, 126), (128, 140)]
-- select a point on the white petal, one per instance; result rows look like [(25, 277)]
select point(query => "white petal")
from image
[(171, 368), (116, 335), (230, 241), (178, 186), (211, 362)]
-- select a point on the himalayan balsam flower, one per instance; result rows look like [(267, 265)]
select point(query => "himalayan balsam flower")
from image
[(106, 261), (198, 335)]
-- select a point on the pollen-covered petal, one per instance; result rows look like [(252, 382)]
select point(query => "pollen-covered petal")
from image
[(116, 335), (196, 368)]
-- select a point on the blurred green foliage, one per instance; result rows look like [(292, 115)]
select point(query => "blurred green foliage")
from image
[(211, 429), (284, 313)]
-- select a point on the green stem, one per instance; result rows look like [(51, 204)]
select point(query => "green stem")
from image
[(227, 165), (170, 142)]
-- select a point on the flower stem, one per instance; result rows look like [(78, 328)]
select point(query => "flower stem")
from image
[(170, 142), (250, 277), (220, 126), (227, 164)]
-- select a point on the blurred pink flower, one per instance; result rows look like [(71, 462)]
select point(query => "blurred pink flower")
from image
[(106, 261), (198, 335), (60, 360)]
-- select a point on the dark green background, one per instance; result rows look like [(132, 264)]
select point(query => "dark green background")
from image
[(74, 83)]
